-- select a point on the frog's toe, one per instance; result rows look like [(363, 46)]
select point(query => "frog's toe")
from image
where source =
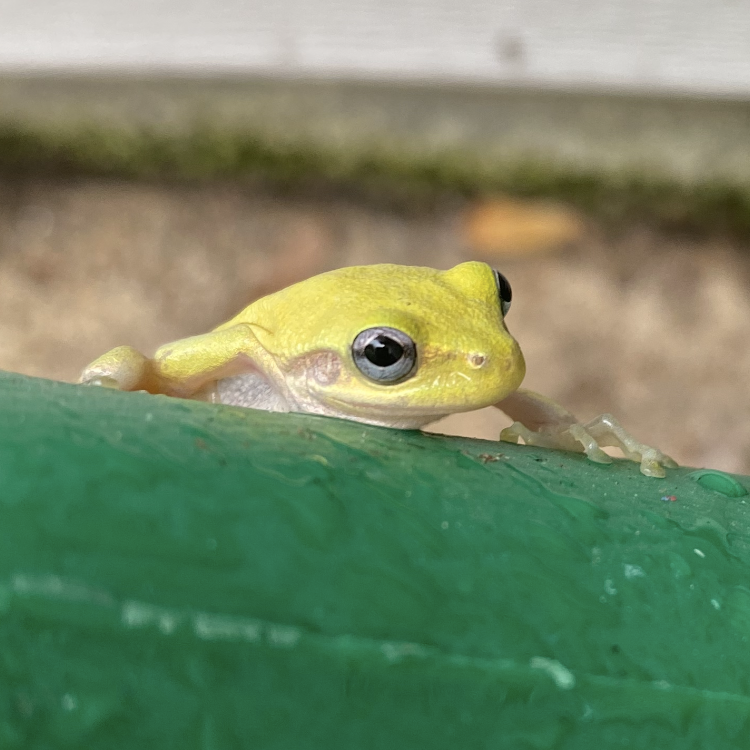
[(589, 444), (654, 462), (123, 368), (99, 380), (598, 456), (652, 468), (513, 433)]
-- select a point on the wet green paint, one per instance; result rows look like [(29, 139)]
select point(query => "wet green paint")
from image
[(182, 575)]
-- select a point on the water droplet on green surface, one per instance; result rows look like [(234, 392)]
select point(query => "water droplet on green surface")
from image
[(718, 481)]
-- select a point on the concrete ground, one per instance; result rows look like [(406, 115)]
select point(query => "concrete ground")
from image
[(651, 327)]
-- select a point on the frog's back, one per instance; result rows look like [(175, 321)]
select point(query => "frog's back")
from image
[(339, 301), (345, 289)]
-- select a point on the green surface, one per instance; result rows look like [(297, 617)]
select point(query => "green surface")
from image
[(182, 575)]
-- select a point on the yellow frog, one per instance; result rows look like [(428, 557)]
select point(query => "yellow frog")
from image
[(389, 345)]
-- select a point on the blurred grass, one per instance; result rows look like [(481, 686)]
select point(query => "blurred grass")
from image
[(206, 153)]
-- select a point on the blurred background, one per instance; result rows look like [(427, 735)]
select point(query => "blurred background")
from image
[(163, 164)]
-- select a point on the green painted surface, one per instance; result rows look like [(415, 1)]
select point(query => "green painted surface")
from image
[(181, 575)]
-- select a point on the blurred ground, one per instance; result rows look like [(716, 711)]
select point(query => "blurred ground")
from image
[(649, 326)]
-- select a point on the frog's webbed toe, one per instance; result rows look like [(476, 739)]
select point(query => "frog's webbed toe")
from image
[(123, 368)]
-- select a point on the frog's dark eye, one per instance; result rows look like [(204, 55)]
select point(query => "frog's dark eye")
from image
[(504, 292), (384, 355)]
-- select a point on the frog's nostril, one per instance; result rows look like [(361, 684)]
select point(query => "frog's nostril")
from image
[(477, 360)]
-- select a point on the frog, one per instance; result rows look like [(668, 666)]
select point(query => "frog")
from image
[(385, 344)]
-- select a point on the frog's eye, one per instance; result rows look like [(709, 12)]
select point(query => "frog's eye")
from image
[(384, 355), (504, 291)]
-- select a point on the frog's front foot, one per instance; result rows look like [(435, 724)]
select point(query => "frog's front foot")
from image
[(123, 368), (589, 438)]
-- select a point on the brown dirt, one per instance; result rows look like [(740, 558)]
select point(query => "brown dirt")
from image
[(650, 327)]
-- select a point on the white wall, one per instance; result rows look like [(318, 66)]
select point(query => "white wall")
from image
[(697, 46)]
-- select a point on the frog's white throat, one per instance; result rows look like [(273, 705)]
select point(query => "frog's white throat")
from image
[(253, 391)]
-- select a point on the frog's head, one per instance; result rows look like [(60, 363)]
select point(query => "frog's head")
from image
[(395, 345)]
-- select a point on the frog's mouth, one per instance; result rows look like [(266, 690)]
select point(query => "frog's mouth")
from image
[(399, 416), (400, 420)]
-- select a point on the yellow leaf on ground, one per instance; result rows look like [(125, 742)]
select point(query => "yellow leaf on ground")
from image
[(511, 226)]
